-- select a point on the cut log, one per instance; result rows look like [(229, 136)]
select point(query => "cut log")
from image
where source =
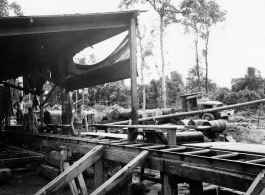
[(112, 114)]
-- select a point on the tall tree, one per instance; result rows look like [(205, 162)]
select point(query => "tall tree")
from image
[(193, 26), (145, 51), (206, 13), (166, 11), (211, 15)]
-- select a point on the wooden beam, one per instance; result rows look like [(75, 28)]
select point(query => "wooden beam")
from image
[(258, 185), (88, 25), (19, 88), (57, 82), (121, 177), (49, 95), (72, 184), (77, 168), (133, 72)]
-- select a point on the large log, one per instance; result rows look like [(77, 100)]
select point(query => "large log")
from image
[(112, 114), (192, 113), (126, 114)]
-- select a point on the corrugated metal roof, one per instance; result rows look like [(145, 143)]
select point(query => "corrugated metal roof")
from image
[(33, 42)]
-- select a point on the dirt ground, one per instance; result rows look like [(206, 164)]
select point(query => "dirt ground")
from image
[(244, 127)]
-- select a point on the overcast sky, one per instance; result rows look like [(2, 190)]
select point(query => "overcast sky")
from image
[(234, 45)]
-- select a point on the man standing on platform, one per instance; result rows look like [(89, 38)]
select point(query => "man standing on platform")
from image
[(19, 106), (30, 121), (77, 120)]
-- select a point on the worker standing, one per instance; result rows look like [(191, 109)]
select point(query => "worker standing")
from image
[(19, 106), (30, 122), (77, 121)]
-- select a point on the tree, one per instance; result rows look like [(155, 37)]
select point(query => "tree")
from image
[(192, 25), (192, 84), (205, 14), (5, 8), (145, 51), (174, 87), (252, 81), (212, 14), (166, 11)]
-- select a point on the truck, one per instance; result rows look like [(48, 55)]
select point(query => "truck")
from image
[(190, 102)]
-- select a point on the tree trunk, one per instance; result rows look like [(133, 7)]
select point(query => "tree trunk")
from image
[(206, 61), (163, 64), (142, 70), (197, 64)]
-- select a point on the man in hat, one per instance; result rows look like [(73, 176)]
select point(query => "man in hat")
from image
[(30, 121), (77, 120)]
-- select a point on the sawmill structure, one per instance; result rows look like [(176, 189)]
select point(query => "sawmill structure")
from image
[(40, 49)]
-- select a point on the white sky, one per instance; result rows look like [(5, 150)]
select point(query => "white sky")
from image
[(234, 45)]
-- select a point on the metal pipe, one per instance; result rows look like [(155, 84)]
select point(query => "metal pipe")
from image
[(193, 112)]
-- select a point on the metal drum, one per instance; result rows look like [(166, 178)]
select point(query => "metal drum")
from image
[(185, 122), (218, 126), (199, 122)]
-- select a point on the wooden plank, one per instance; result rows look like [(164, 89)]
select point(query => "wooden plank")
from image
[(226, 155), (260, 160), (198, 152), (154, 147), (99, 173), (232, 146), (258, 185), (72, 184), (64, 178), (177, 149), (82, 184), (229, 138), (121, 177)]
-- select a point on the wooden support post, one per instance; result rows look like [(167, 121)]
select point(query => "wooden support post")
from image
[(63, 157), (133, 72), (167, 188), (72, 184), (171, 138), (142, 174), (121, 177), (258, 185), (76, 169), (106, 169), (196, 187), (99, 173), (41, 109), (66, 107)]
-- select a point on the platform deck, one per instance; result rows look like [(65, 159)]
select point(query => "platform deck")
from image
[(234, 147)]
